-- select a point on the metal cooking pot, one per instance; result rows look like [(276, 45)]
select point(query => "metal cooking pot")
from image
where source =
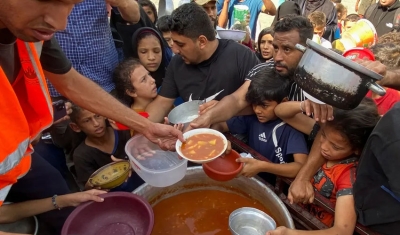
[(196, 179), (333, 79), (26, 226)]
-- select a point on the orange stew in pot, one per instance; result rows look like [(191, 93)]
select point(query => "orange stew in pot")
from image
[(202, 146)]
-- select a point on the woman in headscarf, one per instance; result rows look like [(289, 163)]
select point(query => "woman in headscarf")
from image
[(286, 8), (265, 50)]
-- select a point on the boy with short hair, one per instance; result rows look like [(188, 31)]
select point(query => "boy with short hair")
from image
[(284, 146), (162, 26), (101, 142), (318, 20), (350, 21)]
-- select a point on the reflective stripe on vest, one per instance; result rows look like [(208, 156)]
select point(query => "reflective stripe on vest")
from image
[(3, 193), (14, 158)]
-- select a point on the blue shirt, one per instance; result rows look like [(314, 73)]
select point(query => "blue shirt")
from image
[(88, 44), (255, 7), (274, 139)]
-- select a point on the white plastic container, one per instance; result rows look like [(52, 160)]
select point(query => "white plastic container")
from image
[(156, 167)]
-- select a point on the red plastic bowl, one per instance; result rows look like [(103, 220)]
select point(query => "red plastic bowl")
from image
[(119, 213), (224, 168), (359, 53)]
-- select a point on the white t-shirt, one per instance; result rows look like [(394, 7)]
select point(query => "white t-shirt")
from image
[(325, 43)]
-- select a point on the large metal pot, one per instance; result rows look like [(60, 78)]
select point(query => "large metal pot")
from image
[(333, 79), (196, 179)]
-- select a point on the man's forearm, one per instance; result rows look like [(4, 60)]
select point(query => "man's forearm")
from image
[(88, 95), (157, 112), (129, 10), (392, 79), (270, 8), (314, 161), (228, 107), (223, 17)]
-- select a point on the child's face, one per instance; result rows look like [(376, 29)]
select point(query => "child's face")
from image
[(149, 13), (265, 112), (319, 30), (93, 125), (334, 145), (143, 84), (150, 53), (348, 25), (168, 39)]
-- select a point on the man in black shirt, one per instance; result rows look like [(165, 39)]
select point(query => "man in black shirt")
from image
[(203, 65)]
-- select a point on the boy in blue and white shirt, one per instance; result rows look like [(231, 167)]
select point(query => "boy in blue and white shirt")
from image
[(284, 146)]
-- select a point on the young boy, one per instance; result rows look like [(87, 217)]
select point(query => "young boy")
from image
[(318, 20), (285, 147), (350, 21), (101, 142), (162, 26)]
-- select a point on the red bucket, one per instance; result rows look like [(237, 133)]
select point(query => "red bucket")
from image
[(359, 53)]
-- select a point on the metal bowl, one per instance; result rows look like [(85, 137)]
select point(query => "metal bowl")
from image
[(250, 221), (185, 113), (23, 226)]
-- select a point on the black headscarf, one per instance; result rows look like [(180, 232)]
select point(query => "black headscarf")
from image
[(286, 8), (159, 74)]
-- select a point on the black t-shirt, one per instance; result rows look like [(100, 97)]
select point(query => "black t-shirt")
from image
[(88, 159), (52, 58), (377, 188), (225, 70)]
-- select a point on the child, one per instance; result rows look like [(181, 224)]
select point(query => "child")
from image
[(150, 9), (100, 144), (162, 26), (285, 147), (342, 141), (389, 55), (341, 14), (134, 85), (350, 21), (318, 20)]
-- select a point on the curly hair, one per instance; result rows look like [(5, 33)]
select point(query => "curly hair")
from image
[(387, 53), (295, 22), (392, 37), (122, 79), (192, 21), (317, 19), (356, 124)]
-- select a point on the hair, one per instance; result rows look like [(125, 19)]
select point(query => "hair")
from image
[(264, 32), (148, 3), (146, 34), (340, 8), (268, 85), (295, 22), (163, 24), (76, 112), (337, 1), (317, 19), (392, 37), (122, 79), (351, 18), (356, 124), (387, 53), (192, 21)]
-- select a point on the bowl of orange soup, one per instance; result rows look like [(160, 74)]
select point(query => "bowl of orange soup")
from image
[(202, 145)]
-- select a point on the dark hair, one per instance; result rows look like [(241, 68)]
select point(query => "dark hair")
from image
[(295, 22), (163, 24), (337, 1), (392, 37), (146, 34), (122, 79), (267, 85), (76, 112), (387, 53), (356, 124), (351, 18), (192, 21), (264, 32), (148, 3)]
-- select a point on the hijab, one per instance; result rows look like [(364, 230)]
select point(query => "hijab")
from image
[(286, 8)]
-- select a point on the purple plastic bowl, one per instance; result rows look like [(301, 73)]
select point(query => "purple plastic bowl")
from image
[(120, 213)]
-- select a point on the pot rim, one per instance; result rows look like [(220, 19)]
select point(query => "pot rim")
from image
[(342, 60)]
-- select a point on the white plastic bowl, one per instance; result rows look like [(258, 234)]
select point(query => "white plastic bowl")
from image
[(156, 167), (188, 134), (235, 35)]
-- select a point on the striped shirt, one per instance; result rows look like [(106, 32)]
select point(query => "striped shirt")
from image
[(88, 44), (295, 94)]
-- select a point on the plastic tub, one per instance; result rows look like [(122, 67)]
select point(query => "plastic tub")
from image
[(156, 167)]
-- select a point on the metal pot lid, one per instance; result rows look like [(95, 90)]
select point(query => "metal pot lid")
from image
[(343, 60)]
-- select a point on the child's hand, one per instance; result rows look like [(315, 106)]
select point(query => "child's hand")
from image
[(250, 168), (114, 159), (282, 230)]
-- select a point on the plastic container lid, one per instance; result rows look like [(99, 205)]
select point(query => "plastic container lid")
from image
[(359, 53)]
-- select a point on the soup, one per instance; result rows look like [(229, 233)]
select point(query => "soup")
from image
[(202, 147), (202, 212)]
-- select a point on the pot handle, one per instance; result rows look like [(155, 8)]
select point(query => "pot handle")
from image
[(301, 47), (376, 88)]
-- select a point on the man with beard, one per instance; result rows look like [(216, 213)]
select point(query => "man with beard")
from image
[(202, 65)]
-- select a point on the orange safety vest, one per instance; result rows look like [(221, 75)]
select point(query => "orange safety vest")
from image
[(26, 110)]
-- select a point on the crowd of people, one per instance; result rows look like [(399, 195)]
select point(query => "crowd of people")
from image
[(109, 61)]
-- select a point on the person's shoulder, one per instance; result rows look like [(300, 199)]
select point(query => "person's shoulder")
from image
[(82, 151), (259, 67)]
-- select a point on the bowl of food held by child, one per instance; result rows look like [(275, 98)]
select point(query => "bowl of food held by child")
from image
[(202, 145), (111, 175), (224, 168)]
